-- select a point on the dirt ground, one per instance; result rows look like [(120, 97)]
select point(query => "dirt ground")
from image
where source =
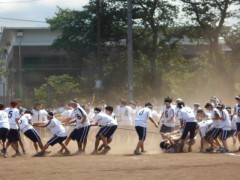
[(119, 163)]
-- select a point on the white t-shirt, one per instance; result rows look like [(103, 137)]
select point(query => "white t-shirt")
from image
[(142, 117), (233, 122), (40, 115), (4, 122), (13, 115), (167, 114), (237, 112), (187, 115), (78, 114), (56, 128), (24, 123), (205, 126), (104, 120), (226, 123), (125, 115), (214, 113)]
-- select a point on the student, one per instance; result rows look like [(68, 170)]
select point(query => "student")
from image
[(80, 133), (226, 127), (108, 127), (108, 111), (13, 134), (57, 130), (167, 118), (188, 124), (141, 126), (237, 113), (27, 129), (4, 129), (205, 127), (216, 131)]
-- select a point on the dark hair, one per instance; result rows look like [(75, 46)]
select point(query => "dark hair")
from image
[(1, 106), (180, 104), (97, 109), (200, 111), (208, 105), (109, 108), (148, 104), (168, 99), (50, 114), (28, 112)]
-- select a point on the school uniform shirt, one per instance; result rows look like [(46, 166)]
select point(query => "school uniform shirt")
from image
[(23, 122), (205, 126), (168, 113), (125, 115), (56, 128), (13, 114), (233, 122), (226, 123), (237, 112), (4, 122), (78, 114), (216, 123), (104, 120), (40, 115), (142, 117), (187, 115)]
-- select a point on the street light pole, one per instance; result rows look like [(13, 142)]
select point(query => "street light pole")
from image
[(130, 50), (20, 35)]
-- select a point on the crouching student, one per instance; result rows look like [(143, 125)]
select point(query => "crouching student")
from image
[(108, 127), (27, 129), (57, 130)]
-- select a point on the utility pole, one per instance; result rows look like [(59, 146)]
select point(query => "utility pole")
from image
[(130, 50)]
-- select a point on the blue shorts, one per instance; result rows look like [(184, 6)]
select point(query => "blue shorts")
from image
[(82, 134), (238, 127), (3, 134), (107, 131), (142, 132), (13, 135), (33, 135), (216, 132), (73, 134), (189, 127), (56, 139), (166, 129), (225, 134)]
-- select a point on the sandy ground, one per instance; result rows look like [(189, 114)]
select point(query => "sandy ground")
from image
[(119, 163)]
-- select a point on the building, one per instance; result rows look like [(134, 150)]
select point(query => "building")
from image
[(29, 58)]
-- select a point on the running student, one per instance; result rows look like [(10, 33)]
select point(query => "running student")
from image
[(27, 129), (80, 133), (141, 126), (57, 130), (4, 128), (108, 127)]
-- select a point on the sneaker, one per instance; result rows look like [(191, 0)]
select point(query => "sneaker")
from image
[(143, 151), (223, 150), (94, 152), (137, 152), (5, 155), (219, 149), (101, 147), (209, 149), (66, 153), (107, 148), (40, 154)]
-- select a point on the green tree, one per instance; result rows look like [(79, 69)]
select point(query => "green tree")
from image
[(57, 89)]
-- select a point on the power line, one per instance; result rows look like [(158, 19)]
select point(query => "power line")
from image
[(23, 20), (23, 1)]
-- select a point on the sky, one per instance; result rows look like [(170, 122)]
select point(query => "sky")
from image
[(37, 10)]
